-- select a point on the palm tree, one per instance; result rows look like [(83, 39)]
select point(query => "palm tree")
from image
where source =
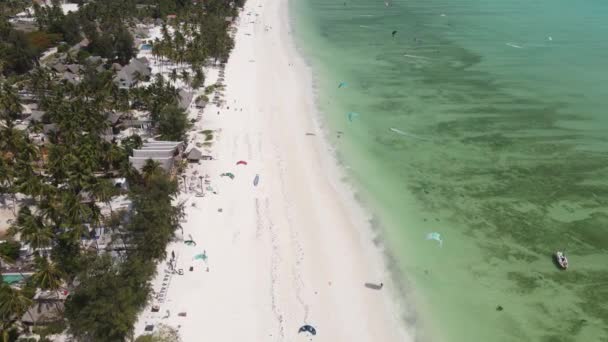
[(13, 305), (156, 49), (199, 78), (50, 207), (150, 168), (47, 276), (32, 230), (31, 184), (59, 160), (185, 76), (10, 104), (75, 211), (173, 75), (111, 156), (104, 191), (7, 180), (39, 81)]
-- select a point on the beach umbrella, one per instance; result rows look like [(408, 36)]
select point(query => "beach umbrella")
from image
[(435, 236), (308, 328), (241, 162), (351, 116)]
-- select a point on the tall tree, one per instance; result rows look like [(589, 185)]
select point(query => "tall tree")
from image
[(32, 230), (173, 123), (10, 104), (13, 305), (105, 305), (47, 275), (123, 45)]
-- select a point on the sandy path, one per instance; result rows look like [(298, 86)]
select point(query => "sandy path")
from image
[(291, 250)]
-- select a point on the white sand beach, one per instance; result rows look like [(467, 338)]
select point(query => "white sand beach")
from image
[(294, 249)]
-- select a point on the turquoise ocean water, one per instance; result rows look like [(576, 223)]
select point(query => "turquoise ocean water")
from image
[(485, 121)]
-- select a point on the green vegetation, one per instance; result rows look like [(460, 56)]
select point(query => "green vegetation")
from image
[(173, 123), (40, 40), (9, 250), (66, 178), (211, 88), (11, 7), (164, 333), (50, 329), (161, 99), (13, 304), (16, 54)]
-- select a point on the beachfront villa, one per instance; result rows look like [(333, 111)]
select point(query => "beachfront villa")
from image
[(163, 152), (137, 70)]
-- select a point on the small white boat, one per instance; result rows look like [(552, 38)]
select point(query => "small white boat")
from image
[(561, 259)]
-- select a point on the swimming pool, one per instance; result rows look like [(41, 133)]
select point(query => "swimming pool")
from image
[(13, 278), (145, 47)]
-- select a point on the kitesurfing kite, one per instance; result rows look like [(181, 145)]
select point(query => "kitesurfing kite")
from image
[(227, 174), (241, 162), (394, 33), (342, 84), (308, 328), (351, 116), (202, 256), (190, 241), (435, 236)]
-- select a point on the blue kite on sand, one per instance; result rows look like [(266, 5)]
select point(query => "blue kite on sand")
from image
[(435, 236), (342, 85), (351, 116), (202, 256)]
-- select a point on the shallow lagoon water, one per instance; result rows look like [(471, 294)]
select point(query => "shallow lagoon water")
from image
[(484, 121)]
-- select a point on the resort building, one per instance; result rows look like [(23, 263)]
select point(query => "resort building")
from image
[(137, 70), (163, 152)]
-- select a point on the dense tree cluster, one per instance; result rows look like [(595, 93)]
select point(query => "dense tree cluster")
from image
[(161, 99), (16, 53), (63, 183), (63, 180), (110, 294), (198, 35), (103, 23)]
